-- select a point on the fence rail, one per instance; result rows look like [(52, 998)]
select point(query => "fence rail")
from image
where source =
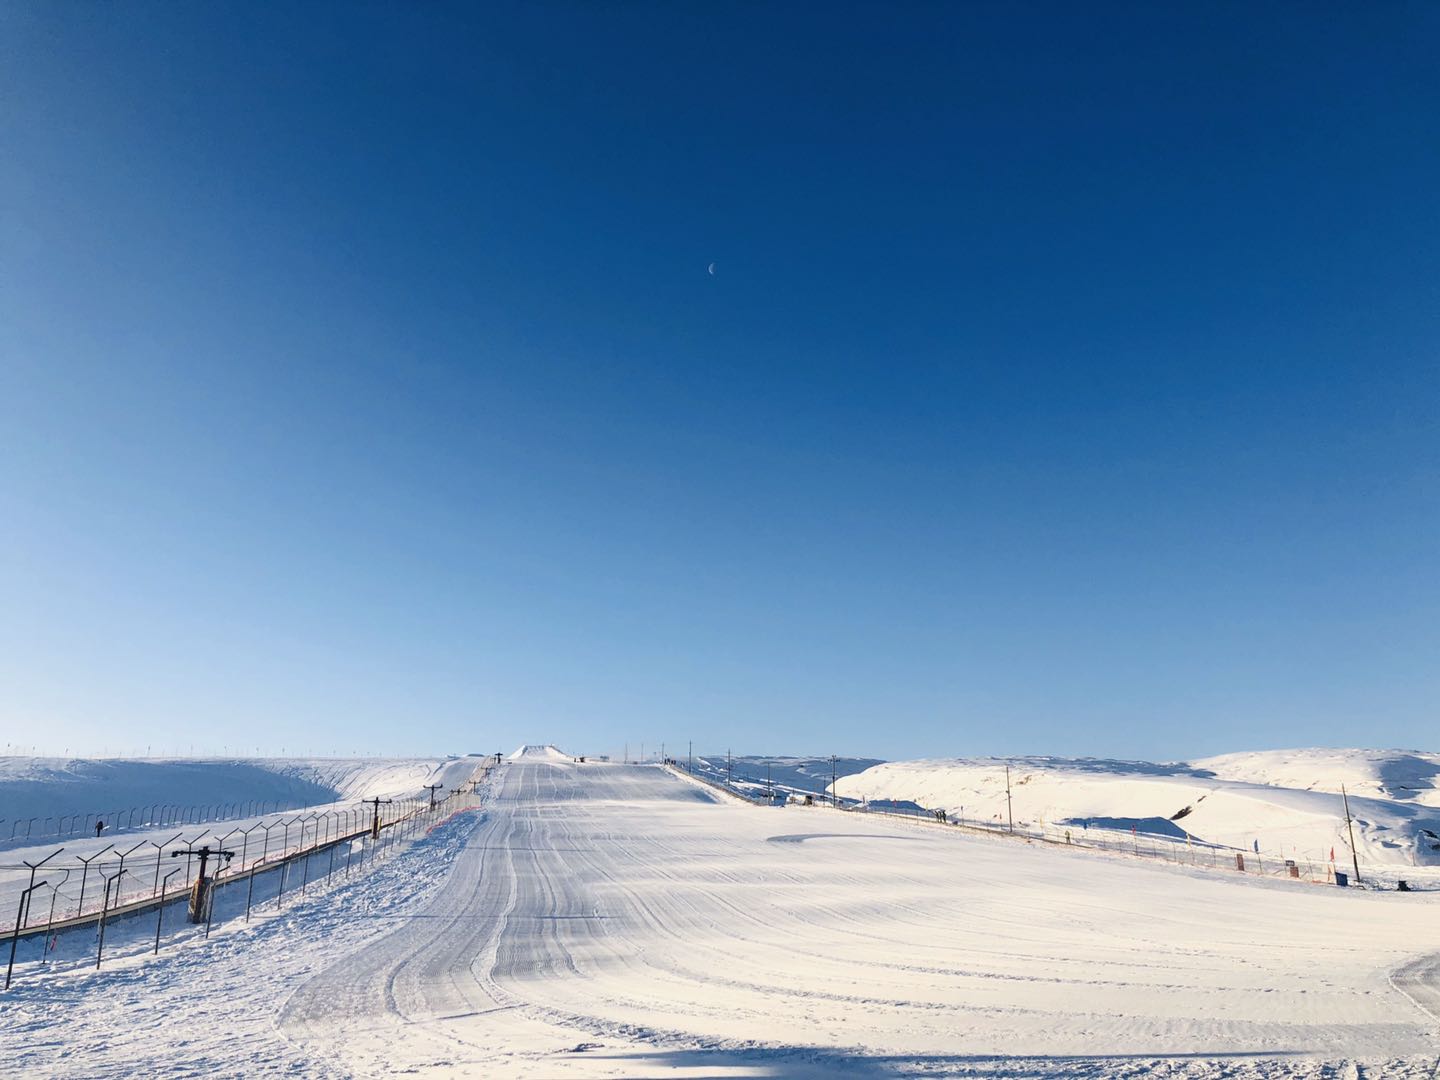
[(112, 885), (1184, 851), (132, 818)]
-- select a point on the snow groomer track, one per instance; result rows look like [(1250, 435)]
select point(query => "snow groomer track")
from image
[(614, 920)]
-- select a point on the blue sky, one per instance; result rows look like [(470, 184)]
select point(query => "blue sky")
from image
[(1067, 381)]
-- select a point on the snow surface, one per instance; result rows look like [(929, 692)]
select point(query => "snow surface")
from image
[(613, 920), (1287, 801), (540, 753), (337, 785)]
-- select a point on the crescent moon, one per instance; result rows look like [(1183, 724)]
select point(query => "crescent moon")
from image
[(711, 269)]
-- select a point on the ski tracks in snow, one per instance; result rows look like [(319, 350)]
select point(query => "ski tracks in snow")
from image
[(605, 920)]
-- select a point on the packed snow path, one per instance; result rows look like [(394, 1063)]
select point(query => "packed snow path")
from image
[(611, 920)]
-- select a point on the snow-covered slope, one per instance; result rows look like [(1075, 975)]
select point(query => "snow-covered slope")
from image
[(1287, 802), (361, 778), (796, 775), (42, 787), (612, 920), (540, 752), (1402, 775)]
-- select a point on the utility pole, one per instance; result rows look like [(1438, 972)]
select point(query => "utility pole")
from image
[(690, 757), (1349, 825), (432, 788), (834, 795), (1009, 806)]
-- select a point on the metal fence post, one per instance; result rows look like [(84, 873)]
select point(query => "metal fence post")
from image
[(160, 909), (250, 892)]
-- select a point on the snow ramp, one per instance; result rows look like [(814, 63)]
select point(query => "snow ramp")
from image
[(537, 753)]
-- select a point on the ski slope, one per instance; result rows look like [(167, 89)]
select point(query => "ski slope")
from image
[(613, 920)]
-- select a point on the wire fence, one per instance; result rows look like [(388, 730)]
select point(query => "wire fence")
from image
[(64, 894), (1182, 850), (135, 818)]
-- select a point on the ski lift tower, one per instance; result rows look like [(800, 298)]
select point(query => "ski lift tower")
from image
[(202, 892)]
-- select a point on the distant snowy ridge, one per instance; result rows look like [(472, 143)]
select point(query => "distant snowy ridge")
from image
[(1404, 775), (1286, 801)]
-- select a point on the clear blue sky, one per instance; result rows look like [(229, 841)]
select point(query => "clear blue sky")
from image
[(1067, 382)]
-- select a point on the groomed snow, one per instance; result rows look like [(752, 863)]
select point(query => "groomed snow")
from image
[(540, 753), (612, 920)]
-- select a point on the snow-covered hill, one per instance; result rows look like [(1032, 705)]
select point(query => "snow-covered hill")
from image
[(1403, 775), (44, 787), (1285, 801), (792, 775), (610, 920)]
